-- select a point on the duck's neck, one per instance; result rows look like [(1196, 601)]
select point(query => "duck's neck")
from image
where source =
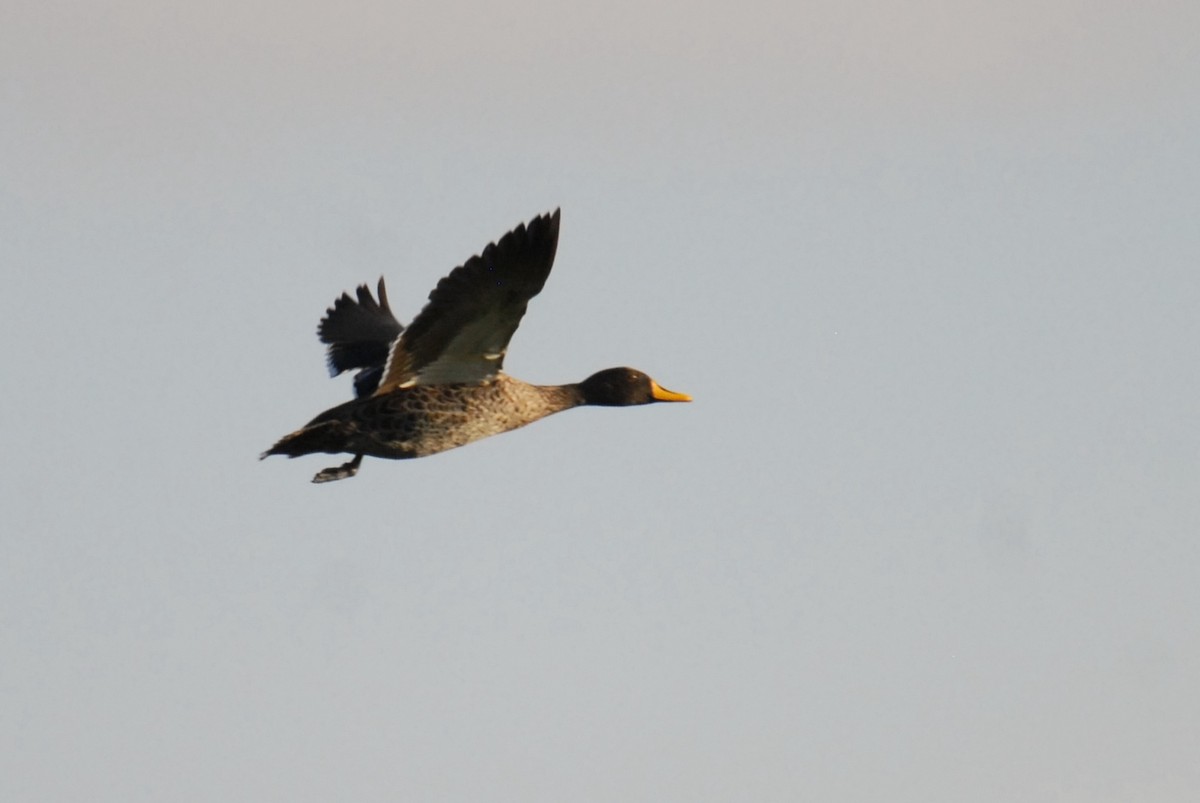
[(537, 401), (560, 397)]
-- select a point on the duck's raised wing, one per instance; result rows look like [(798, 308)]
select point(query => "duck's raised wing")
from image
[(360, 334), (463, 332)]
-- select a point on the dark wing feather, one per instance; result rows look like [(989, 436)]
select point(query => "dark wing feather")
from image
[(360, 335), (463, 332)]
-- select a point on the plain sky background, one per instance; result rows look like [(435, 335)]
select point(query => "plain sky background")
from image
[(928, 533)]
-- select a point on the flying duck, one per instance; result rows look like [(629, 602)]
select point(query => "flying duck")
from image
[(438, 384)]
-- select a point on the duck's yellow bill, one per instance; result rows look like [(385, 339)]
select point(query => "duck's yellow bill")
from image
[(662, 394)]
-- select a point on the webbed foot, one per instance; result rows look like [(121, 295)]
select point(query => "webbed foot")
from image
[(342, 472)]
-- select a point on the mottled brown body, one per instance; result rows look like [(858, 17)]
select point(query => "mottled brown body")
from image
[(427, 419)]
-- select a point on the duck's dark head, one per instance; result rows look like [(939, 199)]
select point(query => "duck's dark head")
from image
[(621, 387)]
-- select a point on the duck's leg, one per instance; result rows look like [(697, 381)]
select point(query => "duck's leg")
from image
[(342, 472)]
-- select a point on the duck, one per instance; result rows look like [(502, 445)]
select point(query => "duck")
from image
[(438, 383)]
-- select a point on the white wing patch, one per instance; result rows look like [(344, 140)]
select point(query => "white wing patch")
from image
[(475, 354)]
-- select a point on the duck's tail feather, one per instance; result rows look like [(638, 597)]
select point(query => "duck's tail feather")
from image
[(325, 437)]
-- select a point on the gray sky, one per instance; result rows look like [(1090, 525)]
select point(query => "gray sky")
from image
[(928, 532)]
